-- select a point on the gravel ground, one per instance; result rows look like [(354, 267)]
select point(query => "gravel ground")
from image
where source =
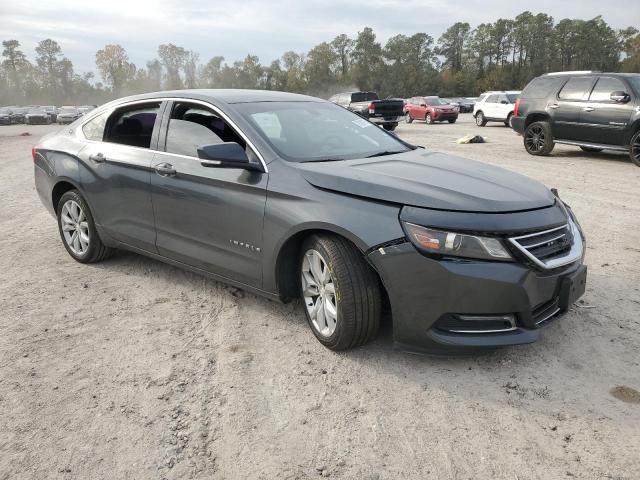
[(135, 369)]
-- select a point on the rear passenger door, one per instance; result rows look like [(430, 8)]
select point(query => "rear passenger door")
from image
[(116, 171), (207, 217), (605, 121), (566, 109)]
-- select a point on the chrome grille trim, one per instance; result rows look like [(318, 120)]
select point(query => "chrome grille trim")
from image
[(575, 252)]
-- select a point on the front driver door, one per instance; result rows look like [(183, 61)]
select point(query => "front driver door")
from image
[(116, 171), (206, 217)]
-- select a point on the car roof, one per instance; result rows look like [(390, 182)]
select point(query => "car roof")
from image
[(224, 96)]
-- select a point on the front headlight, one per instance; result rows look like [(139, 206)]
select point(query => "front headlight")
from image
[(455, 244)]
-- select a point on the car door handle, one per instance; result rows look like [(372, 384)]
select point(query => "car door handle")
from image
[(165, 169), (554, 106), (588, 109), (97, 157)]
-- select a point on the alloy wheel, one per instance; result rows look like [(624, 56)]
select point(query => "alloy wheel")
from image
[(535, 138), (319, 294), (75, 227), (635, 149)]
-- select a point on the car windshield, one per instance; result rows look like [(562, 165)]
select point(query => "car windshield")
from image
[(435, 101), (36, 110), (513, 97), (20, 110), (363, 96), (318, 131), (5, 110), (67, 110)]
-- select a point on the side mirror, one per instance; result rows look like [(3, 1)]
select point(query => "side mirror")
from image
[(423, 104), (620, 96), (225, 155), (504, 102)]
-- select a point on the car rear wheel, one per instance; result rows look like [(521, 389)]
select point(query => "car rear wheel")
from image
[(452, 120), (429, 119), (538, 139), (78, 230), (634, 150), (507, 122), (340, 292), (481, 121)]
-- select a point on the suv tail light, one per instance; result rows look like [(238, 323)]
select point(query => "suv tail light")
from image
[(515, 109), (34, 152), (372, 108)]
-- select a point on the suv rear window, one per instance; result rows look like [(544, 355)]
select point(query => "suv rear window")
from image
[(575, 88), (363, 96)]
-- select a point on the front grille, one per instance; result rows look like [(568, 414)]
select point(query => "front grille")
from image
[(551, 248)]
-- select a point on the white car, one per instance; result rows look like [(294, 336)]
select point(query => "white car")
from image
[(495, 107)]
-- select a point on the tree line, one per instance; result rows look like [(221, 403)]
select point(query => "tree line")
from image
[(463, 61)]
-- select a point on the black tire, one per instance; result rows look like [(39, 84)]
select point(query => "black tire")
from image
[(507, 122), (357, 292), (481, 121), (408, 118), (538, 139), (96, 251), (634, 149), (452, 120), (591, 149), (389, 126), (428, 119)]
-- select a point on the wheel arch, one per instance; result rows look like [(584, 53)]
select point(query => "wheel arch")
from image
[(536, 117), (62, 186), (288, 254)]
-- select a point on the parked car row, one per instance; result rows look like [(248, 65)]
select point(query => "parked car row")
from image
[(43, 114)]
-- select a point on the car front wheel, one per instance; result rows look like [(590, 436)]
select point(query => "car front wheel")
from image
[(78, 230), (340, 292), (429, 119), (408, 118), (538, 139), (481, 121)]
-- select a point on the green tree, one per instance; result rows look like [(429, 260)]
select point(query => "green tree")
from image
[(173, 59), (114, 66), (452, 44)]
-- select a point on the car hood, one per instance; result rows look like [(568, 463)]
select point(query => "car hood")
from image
[(430, 180)]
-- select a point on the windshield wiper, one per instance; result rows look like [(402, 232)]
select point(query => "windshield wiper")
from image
[(382, 154), (324, 160)]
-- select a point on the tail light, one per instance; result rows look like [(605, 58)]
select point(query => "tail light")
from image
[(372, 108), (515, 109), (34, 152)]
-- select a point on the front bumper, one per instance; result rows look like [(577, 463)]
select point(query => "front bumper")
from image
[(427, 293), (445, 115)]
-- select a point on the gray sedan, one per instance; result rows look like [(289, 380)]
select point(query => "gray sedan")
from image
[(293, 197)]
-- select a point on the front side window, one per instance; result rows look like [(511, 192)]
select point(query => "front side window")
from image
[(317, 131), (575, 88), (605, 87), (94, 128), (132, 125), (192, 126), (492, 99)]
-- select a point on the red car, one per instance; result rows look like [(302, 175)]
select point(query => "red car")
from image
[(429, 109)]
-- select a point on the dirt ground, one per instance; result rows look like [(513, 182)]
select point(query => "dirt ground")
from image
[(132, 369)]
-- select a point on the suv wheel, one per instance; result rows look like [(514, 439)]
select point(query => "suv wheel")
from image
[(507, 122), (538, 139), (407, 118), (481, 121), (428, 119), (340, 292), (389, 126), (634, 149), (78, 230)]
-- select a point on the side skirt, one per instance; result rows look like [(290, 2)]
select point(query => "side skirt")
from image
[(603, 146)]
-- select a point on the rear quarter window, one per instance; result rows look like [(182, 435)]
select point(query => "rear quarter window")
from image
[(541, 87)]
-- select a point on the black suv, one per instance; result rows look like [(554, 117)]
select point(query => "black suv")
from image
[(591, 110)]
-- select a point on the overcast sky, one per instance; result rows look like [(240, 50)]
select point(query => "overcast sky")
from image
[(264, 28)]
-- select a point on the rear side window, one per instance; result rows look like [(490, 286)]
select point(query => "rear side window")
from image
[(132, 126), (94, 128), (192, 126), (605, 87), (541, 87), (575, 88)]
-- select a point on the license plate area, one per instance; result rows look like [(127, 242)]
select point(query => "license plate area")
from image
[(573, 287)]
